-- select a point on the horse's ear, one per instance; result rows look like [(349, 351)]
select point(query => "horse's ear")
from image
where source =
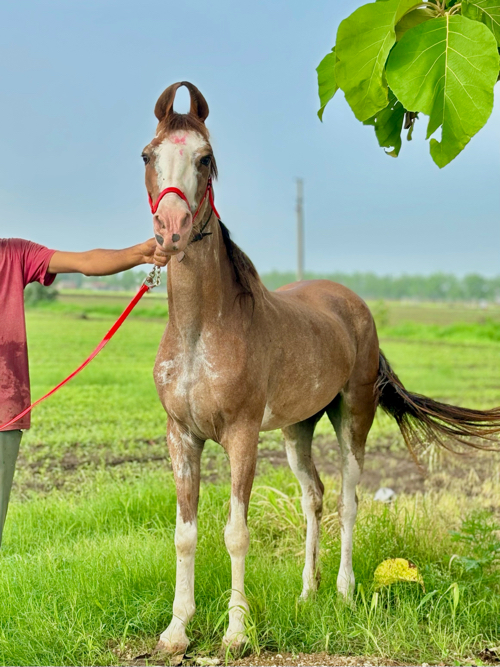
[(165, 104), (199, 106)]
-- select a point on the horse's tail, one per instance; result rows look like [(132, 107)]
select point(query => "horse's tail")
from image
[(421, 419)]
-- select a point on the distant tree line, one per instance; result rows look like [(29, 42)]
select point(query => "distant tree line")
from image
[(125, 281), (434, 287)]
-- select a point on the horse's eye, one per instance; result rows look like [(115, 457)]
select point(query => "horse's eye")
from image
[(205, 161), (145, 157)]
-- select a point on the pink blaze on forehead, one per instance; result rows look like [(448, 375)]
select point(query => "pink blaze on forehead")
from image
[(178, 140)]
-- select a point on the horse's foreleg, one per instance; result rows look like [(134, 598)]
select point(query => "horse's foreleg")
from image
[(298, 441), (242, 449), (185, 453)]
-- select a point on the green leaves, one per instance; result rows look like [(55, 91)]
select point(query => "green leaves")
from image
[(327, 84), (364, 41), (437, 57), (487, 11), (446, 68), (412, 19), (388, 124)]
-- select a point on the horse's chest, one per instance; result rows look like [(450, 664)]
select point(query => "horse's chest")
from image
[(197, 384), (181, 377)]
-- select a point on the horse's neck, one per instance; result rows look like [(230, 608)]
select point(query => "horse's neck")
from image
[(200, 287)]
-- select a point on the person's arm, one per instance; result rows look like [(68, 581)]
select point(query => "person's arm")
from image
[(106, 262)]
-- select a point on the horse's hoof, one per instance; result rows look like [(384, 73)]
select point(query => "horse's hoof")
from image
[(238, 646), (308, 592), (174, 652), (345, 586)]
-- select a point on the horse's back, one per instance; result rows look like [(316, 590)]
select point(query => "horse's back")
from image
[(331, 298)]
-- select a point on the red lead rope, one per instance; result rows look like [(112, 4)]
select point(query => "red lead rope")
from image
[(144, 288), (151, 281)]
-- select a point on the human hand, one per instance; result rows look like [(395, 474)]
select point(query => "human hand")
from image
[(153, 254)]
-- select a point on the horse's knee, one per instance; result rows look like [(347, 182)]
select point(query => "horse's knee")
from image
[(185, 537)]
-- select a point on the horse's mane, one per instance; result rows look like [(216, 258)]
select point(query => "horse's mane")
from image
[(186, 122), (244, 271)]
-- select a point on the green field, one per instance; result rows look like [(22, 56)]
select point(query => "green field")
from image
[(88, 562)]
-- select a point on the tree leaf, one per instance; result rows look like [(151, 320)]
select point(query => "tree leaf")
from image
[(412, 19), (446, 68), (410, 120), (388, 124), (487, 11), (327, 85), (364, 40)]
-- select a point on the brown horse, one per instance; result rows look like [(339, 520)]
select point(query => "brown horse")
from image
[(237, 359)]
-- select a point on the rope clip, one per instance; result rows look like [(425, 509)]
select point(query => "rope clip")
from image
[(154, 277)]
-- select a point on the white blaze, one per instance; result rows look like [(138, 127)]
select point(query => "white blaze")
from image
[(175, 163)]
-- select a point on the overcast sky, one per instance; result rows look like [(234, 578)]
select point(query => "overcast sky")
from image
[(79, 81)]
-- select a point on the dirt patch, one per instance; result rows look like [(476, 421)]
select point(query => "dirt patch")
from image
[(285, 659), (270, 659), (387, 463), (263, 659)]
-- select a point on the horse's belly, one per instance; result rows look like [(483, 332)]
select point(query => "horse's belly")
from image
[(278, 414), (270, 421), (300, 390)]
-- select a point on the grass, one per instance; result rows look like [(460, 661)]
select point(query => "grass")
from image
[(95, 576), (88, 562)]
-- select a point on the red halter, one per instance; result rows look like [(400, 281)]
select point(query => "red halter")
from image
[(179, 193)]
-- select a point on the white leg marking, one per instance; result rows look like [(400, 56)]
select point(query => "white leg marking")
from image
[(174, 640), (237, 542), (351, 472), (312, 505)]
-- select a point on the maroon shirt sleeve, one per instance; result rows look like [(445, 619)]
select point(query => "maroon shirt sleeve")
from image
[(35, 260)]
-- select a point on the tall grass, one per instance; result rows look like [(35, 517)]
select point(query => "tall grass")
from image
[(88, 578)]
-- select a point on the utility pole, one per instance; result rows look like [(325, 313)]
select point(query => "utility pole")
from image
[(300, 229)]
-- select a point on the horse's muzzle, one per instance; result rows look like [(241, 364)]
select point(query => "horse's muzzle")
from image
[(172, 226)]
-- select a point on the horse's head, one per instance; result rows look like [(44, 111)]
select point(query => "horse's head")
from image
[(178, 158)]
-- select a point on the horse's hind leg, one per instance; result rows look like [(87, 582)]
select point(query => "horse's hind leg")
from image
[(298, 441), (351, 414)]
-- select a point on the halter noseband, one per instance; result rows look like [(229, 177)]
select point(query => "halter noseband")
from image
[(179, 193)]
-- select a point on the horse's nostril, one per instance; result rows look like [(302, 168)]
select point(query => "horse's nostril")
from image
[(175, 237), (159, 239)]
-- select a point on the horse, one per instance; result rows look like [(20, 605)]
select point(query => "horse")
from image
[(236, 359)]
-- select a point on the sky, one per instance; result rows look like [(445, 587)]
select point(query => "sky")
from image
[(79, 82)]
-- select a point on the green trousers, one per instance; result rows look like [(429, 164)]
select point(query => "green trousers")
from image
[(9, 449)]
